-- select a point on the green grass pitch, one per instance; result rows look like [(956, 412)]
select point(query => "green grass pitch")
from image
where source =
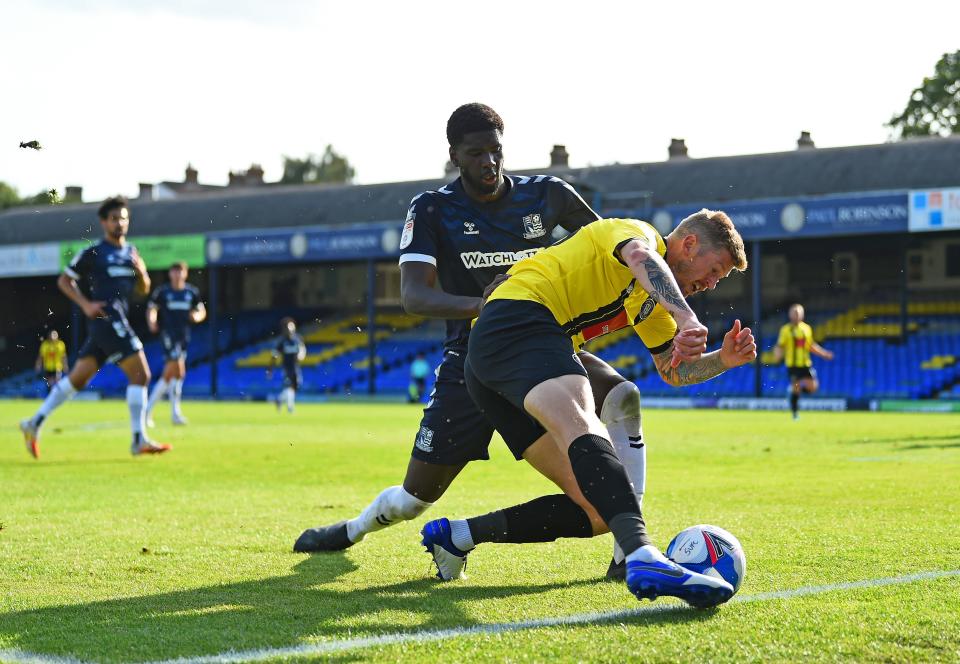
[(108, 558)]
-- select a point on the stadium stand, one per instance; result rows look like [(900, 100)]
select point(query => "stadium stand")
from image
[(875, 358)]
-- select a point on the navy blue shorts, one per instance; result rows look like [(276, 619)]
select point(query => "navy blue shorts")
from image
[(174, 347), (452, 430), (514, 346), (110, 340)]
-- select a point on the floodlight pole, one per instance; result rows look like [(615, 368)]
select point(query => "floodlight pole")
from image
[(904, 294), (755, 255), (371, 327), (214, 283)]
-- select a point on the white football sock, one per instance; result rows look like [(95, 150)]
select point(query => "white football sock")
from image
[(175, 394), (461, 536), (136, 400), (647, 554), (621, 415), (157, 393), (61, 392), (291, 396), (393, 505)]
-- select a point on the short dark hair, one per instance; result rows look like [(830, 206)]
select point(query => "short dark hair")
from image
[(715, 229), (179, 265), (287, 319), (111, 204), (470, 118)]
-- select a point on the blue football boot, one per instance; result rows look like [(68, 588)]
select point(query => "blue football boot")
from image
[(650, 580), (450, 560)]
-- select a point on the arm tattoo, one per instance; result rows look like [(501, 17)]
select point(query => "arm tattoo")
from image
[(689, 373), (665, 290)]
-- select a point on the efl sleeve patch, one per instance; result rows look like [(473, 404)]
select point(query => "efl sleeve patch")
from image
[(407, 236)]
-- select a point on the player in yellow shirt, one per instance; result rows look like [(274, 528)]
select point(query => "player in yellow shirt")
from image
[(523, 372), (52, 358), (794, 347)]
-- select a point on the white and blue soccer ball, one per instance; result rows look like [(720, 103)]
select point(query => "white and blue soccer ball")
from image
[(710, 550)]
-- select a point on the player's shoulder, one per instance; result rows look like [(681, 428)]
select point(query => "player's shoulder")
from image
[(541, 179), (619, 226), (91, 250), (193, 290), (433, 197), (84, 259), (547, 184)]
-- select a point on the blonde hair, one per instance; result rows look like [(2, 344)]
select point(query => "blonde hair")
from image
[(715, 229)]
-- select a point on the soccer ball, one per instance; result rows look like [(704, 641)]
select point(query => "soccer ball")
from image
[(710, 550)]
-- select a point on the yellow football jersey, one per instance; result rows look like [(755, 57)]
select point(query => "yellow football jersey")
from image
[(52, 354), (796, 342), (588, 288)]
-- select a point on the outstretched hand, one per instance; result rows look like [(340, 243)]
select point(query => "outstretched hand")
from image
[(739, 347)]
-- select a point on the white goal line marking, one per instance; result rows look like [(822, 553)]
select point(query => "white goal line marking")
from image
[(328, 647)]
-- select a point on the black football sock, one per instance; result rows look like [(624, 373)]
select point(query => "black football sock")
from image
[(794, 402), (543, 519), (605, 484)]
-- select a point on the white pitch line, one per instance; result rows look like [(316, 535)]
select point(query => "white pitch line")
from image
[(328, 647), (21, 657)]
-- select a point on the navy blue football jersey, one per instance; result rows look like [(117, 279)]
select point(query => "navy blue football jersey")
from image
[(289, 348), (174, 307), (470, 242), (106, 272)]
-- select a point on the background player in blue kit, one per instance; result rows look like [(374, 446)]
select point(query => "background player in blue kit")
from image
[(290, 350), (466, 234), (110, 271), (171, 310)]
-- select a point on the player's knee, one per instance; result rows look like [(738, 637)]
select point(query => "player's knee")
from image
[(404, 506), (622, 402)]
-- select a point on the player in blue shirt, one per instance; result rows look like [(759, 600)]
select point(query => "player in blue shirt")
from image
[(110, 271), (290, 350), (171, 310), (466, 234)]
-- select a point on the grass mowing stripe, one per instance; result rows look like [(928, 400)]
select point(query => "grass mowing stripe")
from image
[(18, 657)]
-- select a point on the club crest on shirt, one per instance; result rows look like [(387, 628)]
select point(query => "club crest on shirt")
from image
[(645, 310), (533, 227)]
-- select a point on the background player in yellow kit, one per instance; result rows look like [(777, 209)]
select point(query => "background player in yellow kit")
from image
[(794, 346), (52, 358)]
